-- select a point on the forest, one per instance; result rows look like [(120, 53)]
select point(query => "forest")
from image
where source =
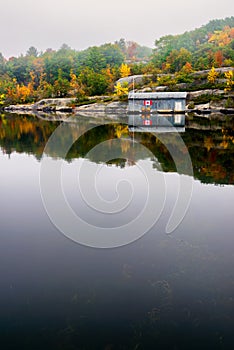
[(69, 73)]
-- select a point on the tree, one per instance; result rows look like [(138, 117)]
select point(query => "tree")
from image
[(125, 70), (212, 75), (93, 83), (2, 99), (65, 47), (131, 50), (112, 54), (122, 45), (2, 64), (110, 78), (218, 58), (229, 80), (95, 59), (121, 89), (61, 85), (32, 51), (45, 89), (177, 59)]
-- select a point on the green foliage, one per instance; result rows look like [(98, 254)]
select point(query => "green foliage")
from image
[(61, 85), (205, 98), (167, 80), (94, 83), (230, 102), (183, 77), (32, 51)]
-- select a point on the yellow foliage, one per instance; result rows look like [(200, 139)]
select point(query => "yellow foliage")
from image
[(33, 76), (121, 130), (121, 89), (74, 81), (208, 143), (222, 37), (212, 75), (108, 73), (2, 97), (23, 92), (229, 81), (125, 70)]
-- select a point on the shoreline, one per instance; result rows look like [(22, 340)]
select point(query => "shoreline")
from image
[(200, 102), (113, 108)]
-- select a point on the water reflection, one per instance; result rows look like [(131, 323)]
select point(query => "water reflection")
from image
[(163, 291), (210, 142), (156, 123)]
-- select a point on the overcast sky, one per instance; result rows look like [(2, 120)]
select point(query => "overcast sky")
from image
[(83, 23)]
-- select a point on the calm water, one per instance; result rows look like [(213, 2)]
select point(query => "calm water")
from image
[(162, 291)]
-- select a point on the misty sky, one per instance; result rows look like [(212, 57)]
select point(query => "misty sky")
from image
[(83, 23)]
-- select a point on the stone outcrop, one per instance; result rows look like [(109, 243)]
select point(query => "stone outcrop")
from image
[(194, 94), (112, 109), (45, 105)]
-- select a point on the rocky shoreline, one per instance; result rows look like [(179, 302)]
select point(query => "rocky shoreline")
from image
[(217, 103)]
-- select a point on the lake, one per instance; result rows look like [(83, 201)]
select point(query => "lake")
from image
[(116, 234)]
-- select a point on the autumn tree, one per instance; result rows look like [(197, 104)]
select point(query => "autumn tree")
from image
[(76, 87), (184, 75), (125, 70), (45, 89), (110, 77), (222, 37), (2, 99), (218, 58), (212, 75), (177, 59), (131, 50), (229, 80), (121, 89)]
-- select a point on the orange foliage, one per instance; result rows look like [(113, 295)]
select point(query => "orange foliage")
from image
[(222, 37), (218, 56)]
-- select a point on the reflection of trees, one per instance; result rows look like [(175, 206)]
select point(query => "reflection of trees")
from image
[(24, 134), (211, 150)]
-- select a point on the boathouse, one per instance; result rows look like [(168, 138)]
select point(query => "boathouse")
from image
[(157, 102)]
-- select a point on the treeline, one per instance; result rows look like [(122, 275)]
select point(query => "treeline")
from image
[(210, 45), (94, 71), (67, 72)]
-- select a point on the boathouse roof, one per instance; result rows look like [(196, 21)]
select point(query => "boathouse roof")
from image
[(156, 95)]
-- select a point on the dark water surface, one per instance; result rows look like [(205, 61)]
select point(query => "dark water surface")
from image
[(163, 291)]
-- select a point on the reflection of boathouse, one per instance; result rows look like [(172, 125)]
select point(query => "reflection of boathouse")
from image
[(156, 123), (157, 102)]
